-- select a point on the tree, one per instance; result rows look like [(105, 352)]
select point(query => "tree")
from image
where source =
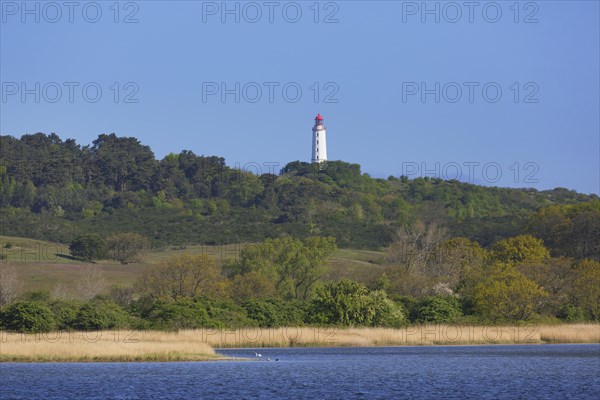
[(88, 247), (520, 249), (90, 283), (585, 292), (454, 259), (414, 246), (569, 230), (411, 256), (126, 247), (293, 265), (10, 285), (183, 276), (555, 276), (123, 162), (508, 295), (252, 285)]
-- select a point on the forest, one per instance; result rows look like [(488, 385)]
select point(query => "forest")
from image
[(54, 189), (452, 252)]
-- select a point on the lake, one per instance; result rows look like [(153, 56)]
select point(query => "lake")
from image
[(450, 372)]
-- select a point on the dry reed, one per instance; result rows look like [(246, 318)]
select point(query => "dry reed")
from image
[(414, 335), (197, 344), (572, 333), (104, 346)]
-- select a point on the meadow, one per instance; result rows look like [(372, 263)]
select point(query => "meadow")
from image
[(44, 266)]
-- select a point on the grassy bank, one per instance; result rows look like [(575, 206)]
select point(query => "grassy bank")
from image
[(104, 346), (197, 344)]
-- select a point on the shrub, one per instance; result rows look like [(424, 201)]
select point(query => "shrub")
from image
[(180, 314), (272, 313), (65, 313), (437, 309), (27, 316), (385, 312), (350, 303), (225, 313), (572, 313), (96, 315)]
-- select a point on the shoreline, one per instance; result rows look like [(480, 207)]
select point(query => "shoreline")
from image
[(200, 344)]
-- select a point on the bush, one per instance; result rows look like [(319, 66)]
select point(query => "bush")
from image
[(385, 311), (27, 316), (272, 313), (225, 313), (65, 313), (572, 313), (343, 302), (437, 309), (180, 314), (96, 315)]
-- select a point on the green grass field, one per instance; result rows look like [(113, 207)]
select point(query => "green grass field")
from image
[(46, 266)]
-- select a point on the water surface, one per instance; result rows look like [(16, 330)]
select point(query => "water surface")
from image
[(454, 372)]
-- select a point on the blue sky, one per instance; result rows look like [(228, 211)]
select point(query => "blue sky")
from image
[(364, 65)]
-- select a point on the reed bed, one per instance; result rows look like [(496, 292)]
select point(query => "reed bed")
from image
[(197, 344), (364, 337), (104, 346), (420, 335), (572, 333)]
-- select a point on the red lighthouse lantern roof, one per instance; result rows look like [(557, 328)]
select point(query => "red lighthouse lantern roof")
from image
[(319, 118)]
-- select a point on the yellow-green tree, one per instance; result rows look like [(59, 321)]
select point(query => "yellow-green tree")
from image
[(507, 294), (293, 265), (520, 249), (585, 292)]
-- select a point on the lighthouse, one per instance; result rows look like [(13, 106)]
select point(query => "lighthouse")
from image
[(319, 142)]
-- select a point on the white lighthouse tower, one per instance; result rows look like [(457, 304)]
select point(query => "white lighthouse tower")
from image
[(319, 142)]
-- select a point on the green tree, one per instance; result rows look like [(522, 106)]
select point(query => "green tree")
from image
[(293, 265), (88, 247)]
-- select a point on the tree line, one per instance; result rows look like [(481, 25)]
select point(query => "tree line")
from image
[(426, 277)]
